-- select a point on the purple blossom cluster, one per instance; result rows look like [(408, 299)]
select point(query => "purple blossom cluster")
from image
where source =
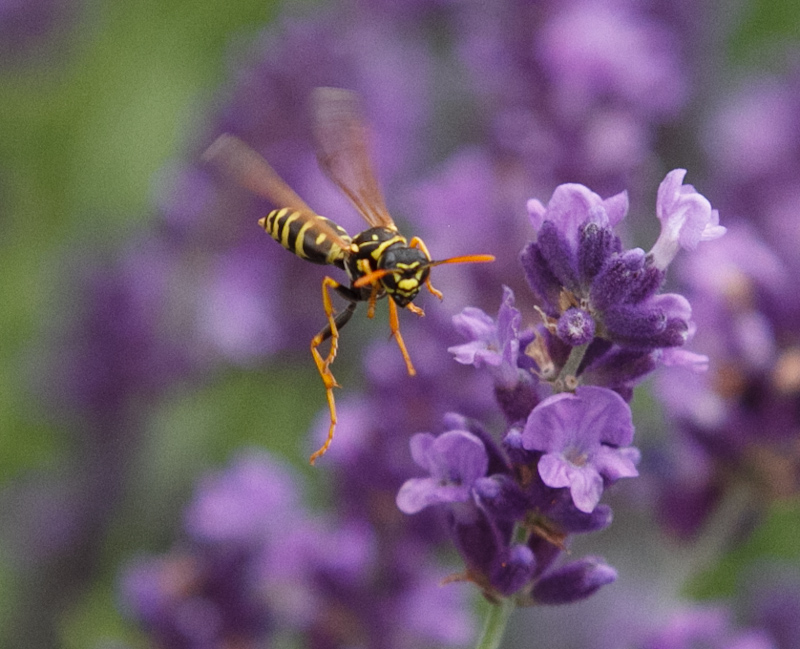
[(563, 388), (255, 565)]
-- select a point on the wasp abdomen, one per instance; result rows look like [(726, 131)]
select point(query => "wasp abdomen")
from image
[(300, 233)]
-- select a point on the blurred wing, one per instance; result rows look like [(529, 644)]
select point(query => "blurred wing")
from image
[(343, 152), (248, 169)]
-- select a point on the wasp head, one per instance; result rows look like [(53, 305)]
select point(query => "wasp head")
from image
[(409, 268)]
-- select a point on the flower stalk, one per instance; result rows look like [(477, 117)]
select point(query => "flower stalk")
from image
[(495, 623)]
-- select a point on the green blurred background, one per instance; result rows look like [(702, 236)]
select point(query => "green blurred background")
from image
[(84, 126)]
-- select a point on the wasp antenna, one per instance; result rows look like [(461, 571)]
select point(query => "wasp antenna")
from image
[(464, 259)]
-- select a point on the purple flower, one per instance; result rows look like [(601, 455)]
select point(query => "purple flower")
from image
[(455, 460), (595, 50), (706, 626), (592, 289), (686, 219), (747, 135), (256, 564), (572, 205), (574, 581), (575, 327), (576, 89), (495, 344), (581, 435), (242, 503)]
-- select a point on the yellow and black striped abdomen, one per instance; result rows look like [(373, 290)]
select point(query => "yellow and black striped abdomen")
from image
[(304, 234)]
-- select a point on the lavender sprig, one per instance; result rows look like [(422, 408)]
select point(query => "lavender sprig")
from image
[(563, 387)]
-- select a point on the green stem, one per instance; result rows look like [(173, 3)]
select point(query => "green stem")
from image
[(495, 624), (573, 363)]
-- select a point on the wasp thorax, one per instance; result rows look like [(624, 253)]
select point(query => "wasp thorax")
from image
[(410, 268)]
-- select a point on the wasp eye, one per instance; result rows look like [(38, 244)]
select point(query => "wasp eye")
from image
[(388, 259)]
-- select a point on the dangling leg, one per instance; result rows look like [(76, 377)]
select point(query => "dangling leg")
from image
[(394, 325), (416, 242), (323, 366)]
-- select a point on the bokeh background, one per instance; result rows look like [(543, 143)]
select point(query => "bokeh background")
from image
[(114, 396)]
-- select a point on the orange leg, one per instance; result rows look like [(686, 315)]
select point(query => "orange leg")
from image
[(323, 366), (394, 325), (373, 298), (416, 242)]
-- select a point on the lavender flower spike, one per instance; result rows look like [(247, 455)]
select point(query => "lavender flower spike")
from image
[(686, 219), (581, 436), (455, 460)]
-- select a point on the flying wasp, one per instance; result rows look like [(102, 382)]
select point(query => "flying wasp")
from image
[(379, 262)]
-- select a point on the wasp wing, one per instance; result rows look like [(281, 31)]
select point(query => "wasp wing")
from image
[(343, 152), (249, 170)]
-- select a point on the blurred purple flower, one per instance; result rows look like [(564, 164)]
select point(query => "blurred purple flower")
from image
[(242, 503), (33, 27), (737, 422), (566, 101), (707, 626), (256, 563), (595, 50)]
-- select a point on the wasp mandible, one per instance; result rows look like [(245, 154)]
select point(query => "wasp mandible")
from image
[(379, 262)]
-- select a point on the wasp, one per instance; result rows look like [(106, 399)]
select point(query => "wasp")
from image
[(379, 262)]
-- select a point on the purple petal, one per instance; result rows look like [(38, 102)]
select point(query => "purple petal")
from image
[(673, 305), (460, 457), (574, 581), (536, 212), (475, 353), (473, 323), (686, 218), (556, 471), (585, 483), (455, 460), (482, 332), (616, 463), (548, 424), (616, 207), (418, 493), (420, 445), (606, 410), (591, 416), (573, 204), (678, 357)]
